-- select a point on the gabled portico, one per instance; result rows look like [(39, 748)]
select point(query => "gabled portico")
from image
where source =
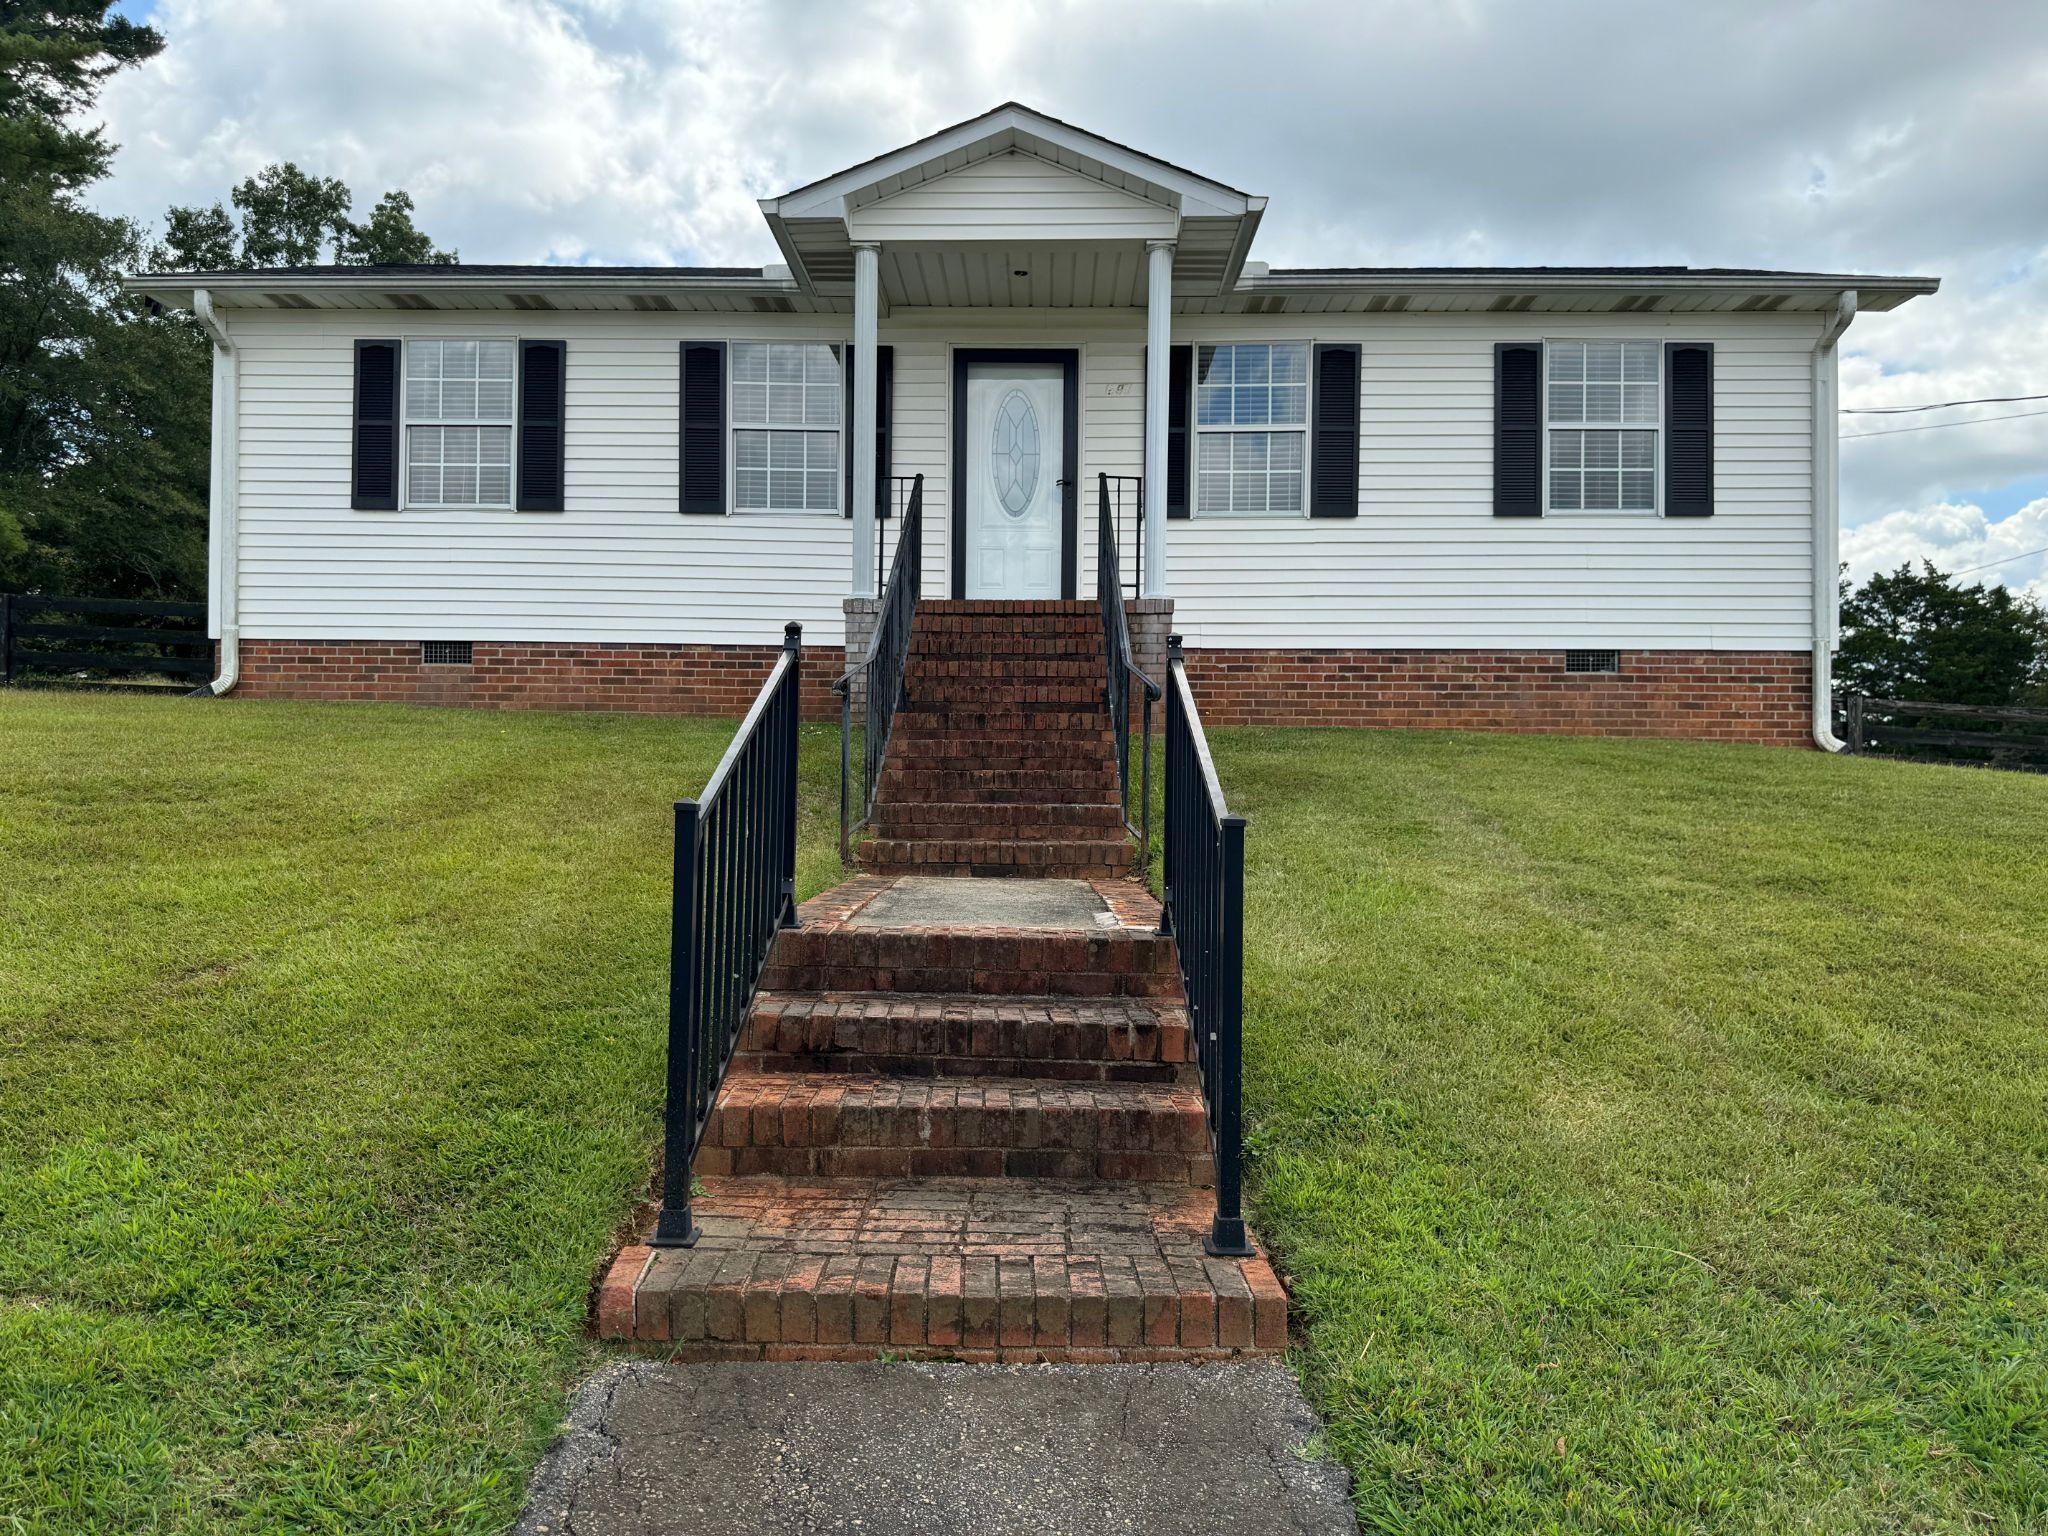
[(1017, 211)]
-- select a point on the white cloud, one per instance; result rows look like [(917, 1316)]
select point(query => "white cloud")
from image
[(1955, 538), (1751, 133)]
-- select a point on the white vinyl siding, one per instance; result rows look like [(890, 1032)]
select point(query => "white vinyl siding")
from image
[(1016, 198), (1424, 564), (458, 422), (1602, 400), (785, 426), (1251, 427)]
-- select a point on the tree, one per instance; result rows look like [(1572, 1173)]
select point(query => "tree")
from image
[(102, 407), (292, 219), (1916, 634)]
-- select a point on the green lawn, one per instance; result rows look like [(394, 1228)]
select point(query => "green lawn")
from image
[(1656, 1137)]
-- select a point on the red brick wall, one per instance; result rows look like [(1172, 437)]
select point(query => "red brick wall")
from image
[(1753, 696), (518, 674)]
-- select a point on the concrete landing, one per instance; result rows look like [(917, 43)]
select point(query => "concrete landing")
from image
[(746, 1450), (929, 901)]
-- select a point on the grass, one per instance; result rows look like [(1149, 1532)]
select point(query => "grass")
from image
[(1653, 1135), (330, 1055)]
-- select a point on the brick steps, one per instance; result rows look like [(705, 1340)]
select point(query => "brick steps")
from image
[(963, 1269), (843, 1126), (926, 1035), (995, 786), (991, 858), (1115, 962), (964, 819)]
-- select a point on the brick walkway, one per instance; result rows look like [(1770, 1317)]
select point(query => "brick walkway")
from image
[(963, 1120)]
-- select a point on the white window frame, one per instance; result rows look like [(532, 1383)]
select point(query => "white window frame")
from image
[(407, 421), (1656, 507), (734, 427), (1196, 430)]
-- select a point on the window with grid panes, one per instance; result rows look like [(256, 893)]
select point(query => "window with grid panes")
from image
[(786, 401), (458, 423), (1603, 415), (1251, 427)]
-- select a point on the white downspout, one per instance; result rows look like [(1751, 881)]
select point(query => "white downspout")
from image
[(1826, 520), (223, 498)]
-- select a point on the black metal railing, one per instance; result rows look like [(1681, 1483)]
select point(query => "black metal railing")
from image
[(1126, 495), (1203, 908), (1116, 647), (873, 686), (889, 513), (735, 885), (102, 636)]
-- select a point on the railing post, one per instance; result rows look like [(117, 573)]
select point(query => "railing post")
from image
[(1226, 1022), (792, 642), (1856, 723), (675, 1229), (1176, 660)]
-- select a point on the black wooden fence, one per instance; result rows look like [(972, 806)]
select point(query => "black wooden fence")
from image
[(1985, 735), (101, 637)]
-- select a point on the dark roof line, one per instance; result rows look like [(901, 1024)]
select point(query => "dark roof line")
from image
[(939, 133), (1541, 272), (463, 269)]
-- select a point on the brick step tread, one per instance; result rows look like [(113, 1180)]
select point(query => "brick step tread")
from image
[(965, 785), (842, 1125), (1011, 963), (924, 729), (937, 667), (959, 1035), (1023, 752), (1014, 1269), (995, 857), (957, 710), (1028, 817), (974, 833)]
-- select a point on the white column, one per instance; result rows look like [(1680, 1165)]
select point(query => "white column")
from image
[(1158, 363), (867, 298)]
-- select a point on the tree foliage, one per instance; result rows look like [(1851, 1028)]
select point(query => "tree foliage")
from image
[(104, 406), (290, 218), (1917, 634)]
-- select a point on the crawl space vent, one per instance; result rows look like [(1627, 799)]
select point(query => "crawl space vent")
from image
[(446, 653), (1592, 661)]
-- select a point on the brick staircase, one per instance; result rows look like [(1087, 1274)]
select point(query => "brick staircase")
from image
[(962, 1119), (999, 764)]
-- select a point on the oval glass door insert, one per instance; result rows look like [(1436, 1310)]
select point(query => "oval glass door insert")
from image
[(1013, 453)]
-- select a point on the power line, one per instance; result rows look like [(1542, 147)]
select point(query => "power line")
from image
[(2006, 560), (1939, 405), (1936, 426)]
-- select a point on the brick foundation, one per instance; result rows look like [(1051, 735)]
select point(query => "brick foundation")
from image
[(1748, 696), (513, 674)]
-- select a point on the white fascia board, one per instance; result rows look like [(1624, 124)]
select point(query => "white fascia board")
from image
[(1200, 197), (177, 291)]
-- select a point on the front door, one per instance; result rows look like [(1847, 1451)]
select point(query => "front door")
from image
[(1014, 468)]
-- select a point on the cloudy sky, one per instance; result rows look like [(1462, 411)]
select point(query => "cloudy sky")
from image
[(1888, 136)]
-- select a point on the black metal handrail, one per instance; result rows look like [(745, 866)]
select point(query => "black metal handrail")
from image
[(1203, 908), (889, 510), (1116, 647), (879, 673), (735, 885), (1127, 507)]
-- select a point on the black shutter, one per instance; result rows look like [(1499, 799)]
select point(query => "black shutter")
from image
[(1180, 388), (540, 425), (1334, 416), (703, 426), (885, 414), (1518, 429), (1688, 429), (374, 484)]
